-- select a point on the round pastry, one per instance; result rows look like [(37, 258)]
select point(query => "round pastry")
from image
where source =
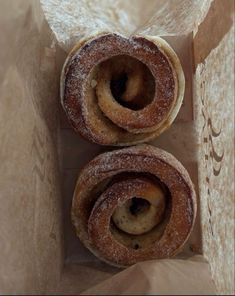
[(134, 204), (120, 91)]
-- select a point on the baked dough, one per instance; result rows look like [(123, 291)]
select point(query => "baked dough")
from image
[(152, 91), (110, 181)]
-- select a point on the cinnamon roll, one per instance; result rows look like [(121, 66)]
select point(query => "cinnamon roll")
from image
[(120, 91), (134, 204)]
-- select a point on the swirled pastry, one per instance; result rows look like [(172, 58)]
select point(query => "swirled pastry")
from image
[(120, 91), (134, 204)]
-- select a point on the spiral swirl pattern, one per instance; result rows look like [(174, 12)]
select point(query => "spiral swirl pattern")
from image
[(119, 91), (134, 204)]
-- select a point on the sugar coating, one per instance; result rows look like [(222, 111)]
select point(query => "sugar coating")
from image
[(79, 97), (94, 222)]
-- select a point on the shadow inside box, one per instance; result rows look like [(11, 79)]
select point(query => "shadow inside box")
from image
[(97, 265)]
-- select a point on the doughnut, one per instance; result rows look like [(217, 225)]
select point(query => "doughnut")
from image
[(134, 204), (121, 91)]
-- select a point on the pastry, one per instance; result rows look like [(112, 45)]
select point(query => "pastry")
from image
[(120, 91), (134, 204)]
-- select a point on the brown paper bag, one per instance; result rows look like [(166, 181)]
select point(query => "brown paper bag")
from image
[(41, 156)]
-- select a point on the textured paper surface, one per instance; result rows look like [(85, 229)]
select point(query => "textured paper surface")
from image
[(215, 116), (164, 277), (73, 20), (30, 211), (34, 257)]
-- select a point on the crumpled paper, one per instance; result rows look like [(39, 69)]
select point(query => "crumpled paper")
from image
[(72, 20)]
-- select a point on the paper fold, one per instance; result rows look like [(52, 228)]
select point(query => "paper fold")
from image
[(72, 20), (163, 277)]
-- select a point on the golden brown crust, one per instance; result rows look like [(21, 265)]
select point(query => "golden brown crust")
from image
[(91, 212), (78, 90)]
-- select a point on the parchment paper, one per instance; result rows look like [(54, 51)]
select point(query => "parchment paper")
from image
[(72, 20), (163, 277), (41, 155)]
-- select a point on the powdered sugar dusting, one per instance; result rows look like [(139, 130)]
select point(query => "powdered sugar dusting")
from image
[(80, 101), (142, 159)]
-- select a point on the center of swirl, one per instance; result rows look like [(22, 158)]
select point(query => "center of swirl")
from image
[(141, 213), (130, 81), (138, 206)]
